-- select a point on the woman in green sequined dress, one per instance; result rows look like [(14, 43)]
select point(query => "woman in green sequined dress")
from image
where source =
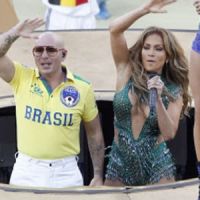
[(139, 155)]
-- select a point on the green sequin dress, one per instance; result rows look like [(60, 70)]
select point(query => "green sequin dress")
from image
[(139, 161)]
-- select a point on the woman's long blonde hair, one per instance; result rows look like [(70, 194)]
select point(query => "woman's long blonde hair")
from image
[(175, 69)]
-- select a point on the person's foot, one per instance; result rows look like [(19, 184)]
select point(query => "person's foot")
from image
[(103, 11), (103, 15)]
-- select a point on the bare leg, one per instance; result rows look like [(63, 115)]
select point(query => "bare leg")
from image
[(113, 183), (166, 180)]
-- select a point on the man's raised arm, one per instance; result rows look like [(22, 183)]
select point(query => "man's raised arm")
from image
[(23, 29)]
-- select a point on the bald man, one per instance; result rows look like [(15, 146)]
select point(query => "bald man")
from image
[(51, 102)]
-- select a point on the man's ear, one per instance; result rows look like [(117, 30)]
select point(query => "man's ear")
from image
[(63, 54)]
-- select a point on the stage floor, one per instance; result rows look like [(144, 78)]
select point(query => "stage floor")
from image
[(183, 190)]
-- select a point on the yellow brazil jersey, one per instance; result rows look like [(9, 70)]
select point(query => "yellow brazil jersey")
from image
[(48, 122)]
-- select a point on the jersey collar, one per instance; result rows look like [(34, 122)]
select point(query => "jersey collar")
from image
[(69, 74)]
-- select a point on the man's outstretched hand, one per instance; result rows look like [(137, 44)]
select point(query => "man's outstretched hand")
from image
[(25, 29)]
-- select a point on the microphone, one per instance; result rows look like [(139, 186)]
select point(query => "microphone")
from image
[(152, 93)]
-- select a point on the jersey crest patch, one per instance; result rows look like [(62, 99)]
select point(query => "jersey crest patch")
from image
[(69, 96)]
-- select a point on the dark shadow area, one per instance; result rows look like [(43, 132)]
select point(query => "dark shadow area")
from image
[(8, 146), (190, 168)]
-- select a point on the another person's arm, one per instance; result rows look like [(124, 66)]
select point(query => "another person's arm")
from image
[(194, 74), (96, 147), (23, 29)]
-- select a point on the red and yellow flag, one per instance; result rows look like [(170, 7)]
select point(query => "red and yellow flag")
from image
[(71, 3)]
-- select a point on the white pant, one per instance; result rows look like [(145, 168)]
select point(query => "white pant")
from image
[(61, 21), (33, 172)]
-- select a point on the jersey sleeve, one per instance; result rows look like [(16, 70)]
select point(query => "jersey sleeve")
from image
[(16, 78), (90, 107)]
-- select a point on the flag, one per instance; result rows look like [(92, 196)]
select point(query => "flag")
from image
[(70, 3)]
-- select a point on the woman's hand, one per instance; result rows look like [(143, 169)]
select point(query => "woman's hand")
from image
[(157, 83), (197, 5), (155, 6), (25, 29)]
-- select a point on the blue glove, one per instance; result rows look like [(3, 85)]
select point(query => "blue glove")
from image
[(196, 43)]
